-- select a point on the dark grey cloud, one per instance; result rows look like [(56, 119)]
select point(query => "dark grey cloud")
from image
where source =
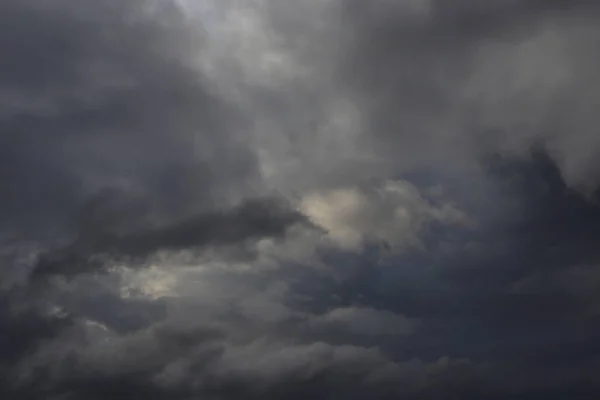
[(283, 199), (252, 220), (517, 297), (98, 95)]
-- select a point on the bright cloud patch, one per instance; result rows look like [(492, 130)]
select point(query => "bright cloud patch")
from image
[(394, 213)]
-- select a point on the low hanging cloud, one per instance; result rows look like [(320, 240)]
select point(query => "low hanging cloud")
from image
[(252, 220), (284, 199)]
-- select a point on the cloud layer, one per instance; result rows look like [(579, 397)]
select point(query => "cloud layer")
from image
[(283, 199)]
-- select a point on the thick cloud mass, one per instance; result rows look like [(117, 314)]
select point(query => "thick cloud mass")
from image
[(277, 199)]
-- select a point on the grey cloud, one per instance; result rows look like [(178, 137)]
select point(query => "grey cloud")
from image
[(103, 94), (252, 220), (127, 130), (370, 322), (471, 78), (201, 360), (515, 306)]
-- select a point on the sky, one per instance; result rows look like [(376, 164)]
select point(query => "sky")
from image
[(308, 199)]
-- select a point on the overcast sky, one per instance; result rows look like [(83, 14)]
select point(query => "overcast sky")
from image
[(299, 199)]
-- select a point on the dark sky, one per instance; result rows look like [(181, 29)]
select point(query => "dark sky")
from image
[(308, 199)]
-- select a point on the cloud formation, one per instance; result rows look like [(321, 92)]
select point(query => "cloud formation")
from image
[(252, 220), (283, 199)]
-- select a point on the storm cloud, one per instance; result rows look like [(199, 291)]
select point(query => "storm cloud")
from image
[(280, 199)]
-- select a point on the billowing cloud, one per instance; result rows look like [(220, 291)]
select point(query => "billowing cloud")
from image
[(284, 199), (394, 213)]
